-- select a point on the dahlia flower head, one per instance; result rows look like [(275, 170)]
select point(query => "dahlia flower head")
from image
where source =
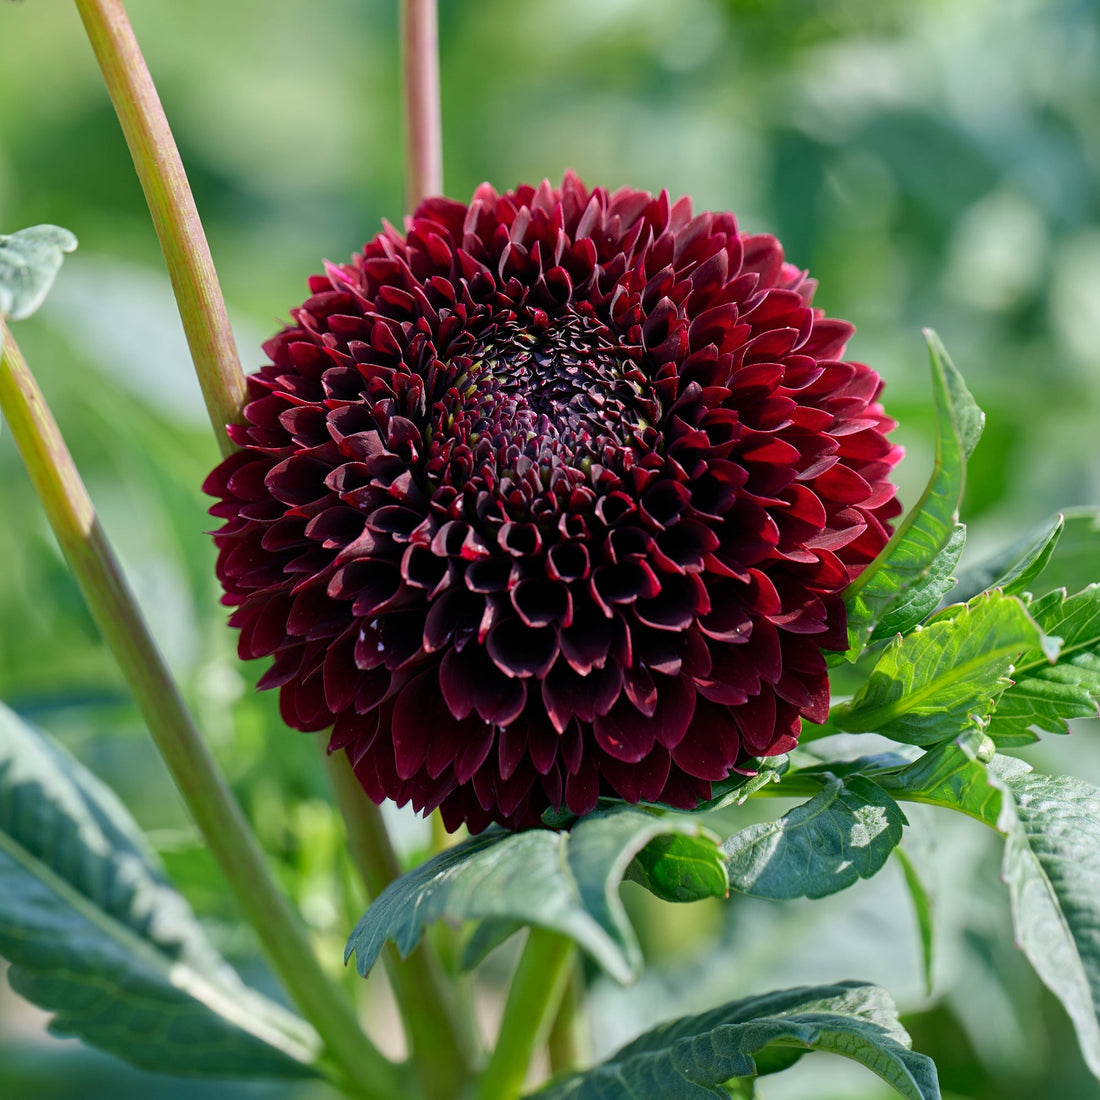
[(550, 498)]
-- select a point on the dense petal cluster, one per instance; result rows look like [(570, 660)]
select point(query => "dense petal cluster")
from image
[(553, 496)]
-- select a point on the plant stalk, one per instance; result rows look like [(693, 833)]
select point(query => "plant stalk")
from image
[(563, 1044), (438, 1052), (423, 125), (202, 785), (533, 1000), (160, 170)]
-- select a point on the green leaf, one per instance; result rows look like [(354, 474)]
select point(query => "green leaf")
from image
[(680, 867), (1014, 569), (567, 882), (922, 910), (97, 936), (487, 936), (29, 263), (954, 775), (946, 676), (919, 601), (1045, 695), (1052, 868), (694, 1057), (844, 833), (913, 556)]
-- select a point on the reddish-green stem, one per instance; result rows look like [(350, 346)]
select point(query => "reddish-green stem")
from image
[(201, 783), (423, 126), (175, 217)]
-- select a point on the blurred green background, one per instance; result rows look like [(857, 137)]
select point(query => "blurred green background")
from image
[(932, 163)]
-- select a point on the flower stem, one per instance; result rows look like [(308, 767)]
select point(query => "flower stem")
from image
[(160, 170), (533, 1001), (562, 1044), (224, 828), (423, 127), (438, 1053)]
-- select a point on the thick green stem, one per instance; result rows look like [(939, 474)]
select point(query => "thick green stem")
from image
[(423, 126), (533, 1001), (563, 1043), (224, 828), (439, 1055), (172, 206)]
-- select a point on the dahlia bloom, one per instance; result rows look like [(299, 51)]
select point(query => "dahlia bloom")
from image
[(553, 496)]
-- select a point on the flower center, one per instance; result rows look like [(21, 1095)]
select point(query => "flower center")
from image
[(564, 387)]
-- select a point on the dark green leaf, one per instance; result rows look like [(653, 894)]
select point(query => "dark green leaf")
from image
[(486, 937), (1014, 569), (844, 833), (681, 867), (692, 1058), (920, 600), (29, 262), (922, 910), (1043, 694), (98, 937), (912, 557), (565, 881), (946, 675), (1052, 867)]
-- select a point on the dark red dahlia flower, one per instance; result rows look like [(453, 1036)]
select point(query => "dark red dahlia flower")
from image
[(550, 497)]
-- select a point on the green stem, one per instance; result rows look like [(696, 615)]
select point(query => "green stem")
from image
[(160, 170), (423, 127), (224, 828), (438, 1053), (533, 1000), (563, 1044)]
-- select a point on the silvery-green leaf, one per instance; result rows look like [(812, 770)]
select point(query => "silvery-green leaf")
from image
[(29, 263)]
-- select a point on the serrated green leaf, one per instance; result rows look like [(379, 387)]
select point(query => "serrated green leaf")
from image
[(679, 867), (1052, 868), (692, 1058), (567, 882), (1043, 694), (920, 600), (914, 554), (844, 833), (944, 677), (29, 263), (98, 937), (1014, 569), (922, 910)]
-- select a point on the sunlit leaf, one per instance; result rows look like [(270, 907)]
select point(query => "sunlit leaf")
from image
[(947, 675), (913, 556)]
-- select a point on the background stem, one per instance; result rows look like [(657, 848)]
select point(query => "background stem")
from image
[(217, 815), (439, 1055), (160, 170), (423, 125), (533, 1001)]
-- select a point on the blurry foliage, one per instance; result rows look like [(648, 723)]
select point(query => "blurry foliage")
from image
[(931, 163)]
